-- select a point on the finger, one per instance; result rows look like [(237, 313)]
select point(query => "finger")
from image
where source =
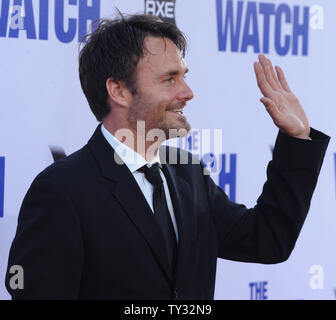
[(282, 79), (262, 82), (268, 72), (271, 108), (273, 75)]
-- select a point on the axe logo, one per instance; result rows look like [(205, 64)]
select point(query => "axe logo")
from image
[(164, 9)]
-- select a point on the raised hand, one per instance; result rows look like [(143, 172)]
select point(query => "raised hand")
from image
[(280, 102)]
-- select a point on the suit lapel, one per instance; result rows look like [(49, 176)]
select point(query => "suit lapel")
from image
[(131, 199), (126, 191)]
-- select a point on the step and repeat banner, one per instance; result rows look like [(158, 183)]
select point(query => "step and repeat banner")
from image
[(44, 114)]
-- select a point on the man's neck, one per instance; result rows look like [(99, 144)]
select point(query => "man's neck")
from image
[(135, 141)]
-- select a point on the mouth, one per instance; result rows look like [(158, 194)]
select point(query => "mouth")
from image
[(178, 112)]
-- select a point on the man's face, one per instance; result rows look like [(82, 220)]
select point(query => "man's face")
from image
[(161, 88)]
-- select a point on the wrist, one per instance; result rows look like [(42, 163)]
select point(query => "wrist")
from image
[(304, 137)]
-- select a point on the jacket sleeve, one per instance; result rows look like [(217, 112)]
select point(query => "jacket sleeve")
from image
[(267, 233), (47, 245)]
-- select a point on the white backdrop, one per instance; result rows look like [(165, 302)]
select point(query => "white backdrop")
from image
[(42, 105)]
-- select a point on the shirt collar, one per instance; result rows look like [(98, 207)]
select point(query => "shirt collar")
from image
[(132, 159)]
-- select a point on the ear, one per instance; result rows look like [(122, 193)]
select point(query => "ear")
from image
[(118, 92)]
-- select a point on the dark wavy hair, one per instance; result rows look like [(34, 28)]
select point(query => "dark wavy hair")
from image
[(113, 50)]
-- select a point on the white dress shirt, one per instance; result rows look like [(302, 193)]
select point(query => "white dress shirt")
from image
[(134, 161)]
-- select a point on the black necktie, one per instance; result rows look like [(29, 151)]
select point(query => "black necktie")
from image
[(161, 212)]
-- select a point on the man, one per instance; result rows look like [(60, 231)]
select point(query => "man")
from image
[(116, 220)]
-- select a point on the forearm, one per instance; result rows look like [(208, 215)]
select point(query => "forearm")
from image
[(267, 233)]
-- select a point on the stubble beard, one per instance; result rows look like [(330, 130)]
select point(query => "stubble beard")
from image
[(142, 111)]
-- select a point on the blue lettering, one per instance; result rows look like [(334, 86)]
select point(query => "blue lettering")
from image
[(28, 20), (189, 143), (258, 290), (251, 284), (62, 35), (65, 30), (2, 185), (4, 17), (264, 297), (87, 13), (300, 30), (251, 19), (209, 162), (282, 50), (229, 178), (229, 25), (192, 140), (44, 13), (229, 20), (267, 9)]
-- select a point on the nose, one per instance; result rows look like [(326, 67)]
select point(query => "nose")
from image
[(186, 93)]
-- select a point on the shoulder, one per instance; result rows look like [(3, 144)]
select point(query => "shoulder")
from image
[(68, 170)]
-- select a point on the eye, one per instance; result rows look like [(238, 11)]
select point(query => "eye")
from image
[(170, 80)]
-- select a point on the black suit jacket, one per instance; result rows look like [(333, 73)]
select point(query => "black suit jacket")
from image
[(85, 230)]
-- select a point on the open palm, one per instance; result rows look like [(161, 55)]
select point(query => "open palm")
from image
[(280, 102)]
